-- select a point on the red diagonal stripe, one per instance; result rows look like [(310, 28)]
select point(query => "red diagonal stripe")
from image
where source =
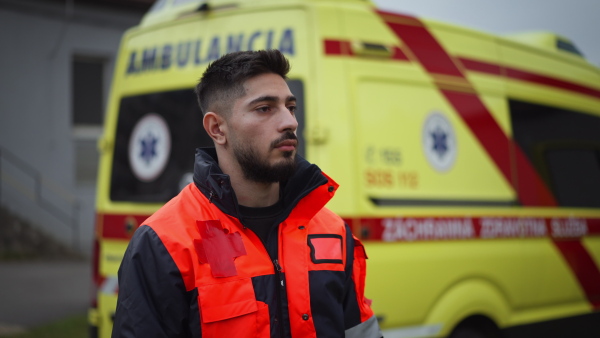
[(530, 187), (487, 131), (424, 46), (399, 54), (584, 268)]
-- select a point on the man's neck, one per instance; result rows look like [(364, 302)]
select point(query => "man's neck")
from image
[(253, 194), (249, 193)]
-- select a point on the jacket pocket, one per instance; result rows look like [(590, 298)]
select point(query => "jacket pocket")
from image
[(231, 308)]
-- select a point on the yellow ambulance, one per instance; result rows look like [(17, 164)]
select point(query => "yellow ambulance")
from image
[(469, 164)]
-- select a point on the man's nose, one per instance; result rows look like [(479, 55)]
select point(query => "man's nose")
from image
[(288, 121)]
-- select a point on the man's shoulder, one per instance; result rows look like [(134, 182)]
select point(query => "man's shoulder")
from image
[(330, 219), (179, 213), (326, 212)]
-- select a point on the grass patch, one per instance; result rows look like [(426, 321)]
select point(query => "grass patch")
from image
[(71, 327)]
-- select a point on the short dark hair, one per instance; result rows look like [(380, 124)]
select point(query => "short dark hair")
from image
[(223, 80)]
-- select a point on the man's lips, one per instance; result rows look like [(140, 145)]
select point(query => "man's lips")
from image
[(287, 145)]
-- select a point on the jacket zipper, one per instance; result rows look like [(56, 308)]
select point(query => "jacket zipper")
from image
[(280, 287), (280, 290)]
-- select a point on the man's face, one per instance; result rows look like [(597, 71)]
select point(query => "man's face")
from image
[(263, 129)]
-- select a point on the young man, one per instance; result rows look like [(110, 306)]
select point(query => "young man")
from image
[(248, 249)]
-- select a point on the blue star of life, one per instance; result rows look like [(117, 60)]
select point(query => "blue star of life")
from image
[(440, 145), (148, 148)]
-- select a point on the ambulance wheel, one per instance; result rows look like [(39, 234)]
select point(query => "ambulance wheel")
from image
[(476, 327)]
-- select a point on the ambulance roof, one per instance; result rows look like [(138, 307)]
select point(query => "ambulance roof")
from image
[(168, 10)]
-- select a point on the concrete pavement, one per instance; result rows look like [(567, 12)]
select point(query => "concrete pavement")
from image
[(33, 293)]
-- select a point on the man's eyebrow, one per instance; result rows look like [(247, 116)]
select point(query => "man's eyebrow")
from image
[(269, 98)]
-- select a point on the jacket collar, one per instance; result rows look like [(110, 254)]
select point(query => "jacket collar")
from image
[(216, 186)]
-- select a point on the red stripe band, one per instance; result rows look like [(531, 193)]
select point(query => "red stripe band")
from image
[(334, 47), (517, 74), (337, 47), (119, 226), (482, 67), (412, 229), (565, 232)]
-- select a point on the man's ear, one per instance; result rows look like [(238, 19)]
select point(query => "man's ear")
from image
[(215, 127)]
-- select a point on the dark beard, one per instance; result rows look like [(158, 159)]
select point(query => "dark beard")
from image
[(256, 170)]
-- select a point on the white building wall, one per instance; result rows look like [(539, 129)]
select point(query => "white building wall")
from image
[(37, 42)]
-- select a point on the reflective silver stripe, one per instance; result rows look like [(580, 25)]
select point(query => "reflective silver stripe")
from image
[(366, 329), (414, 331)]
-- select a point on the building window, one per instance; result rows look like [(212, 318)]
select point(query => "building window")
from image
[(88, 83), (87, 114)]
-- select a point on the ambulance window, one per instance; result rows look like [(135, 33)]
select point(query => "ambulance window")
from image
[(575, 176), (564, 147), (297, 88), (568, 47), (155, 143)]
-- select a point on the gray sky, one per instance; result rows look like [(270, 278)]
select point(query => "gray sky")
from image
[(577, 20)]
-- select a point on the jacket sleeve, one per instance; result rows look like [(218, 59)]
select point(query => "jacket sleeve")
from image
[(360, 321), (152, 301)]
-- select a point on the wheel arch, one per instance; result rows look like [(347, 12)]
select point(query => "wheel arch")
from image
[(468, 301)]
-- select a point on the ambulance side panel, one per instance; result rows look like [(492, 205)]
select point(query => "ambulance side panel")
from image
[(392, 104), (397, 113)]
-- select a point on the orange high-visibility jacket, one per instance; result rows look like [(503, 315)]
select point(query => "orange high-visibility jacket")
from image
[(194, 270)]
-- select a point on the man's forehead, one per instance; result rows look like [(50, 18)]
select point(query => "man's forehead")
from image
[(271, 85)]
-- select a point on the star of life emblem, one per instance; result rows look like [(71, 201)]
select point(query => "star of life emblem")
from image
[(149, 147), (439, 142)]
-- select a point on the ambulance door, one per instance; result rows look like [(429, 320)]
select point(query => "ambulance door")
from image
[(426, 182), (563, 146), (426, 177)]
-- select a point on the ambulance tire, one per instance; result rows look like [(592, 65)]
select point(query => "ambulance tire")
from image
[(476, 327)]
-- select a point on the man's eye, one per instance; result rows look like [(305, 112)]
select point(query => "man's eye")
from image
[(263, 109), (292, 109)]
